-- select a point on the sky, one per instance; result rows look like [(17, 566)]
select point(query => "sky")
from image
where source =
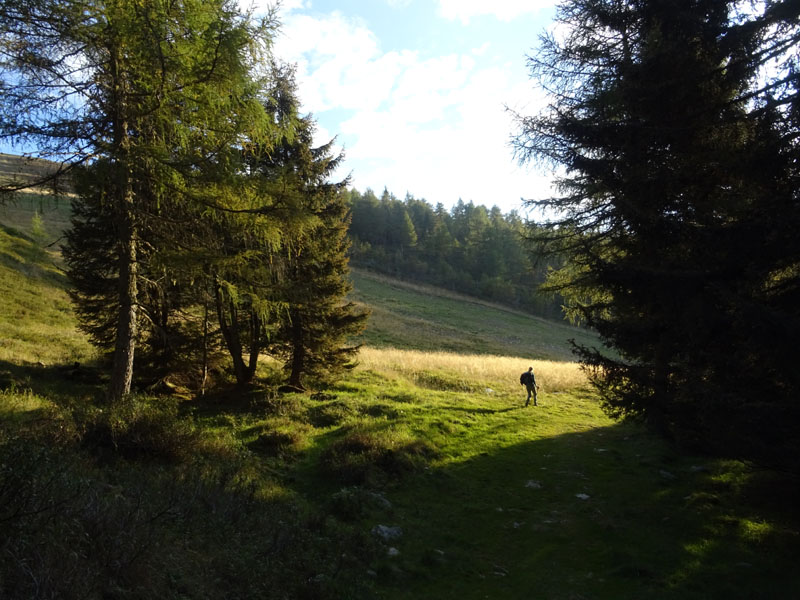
[(416, 92)]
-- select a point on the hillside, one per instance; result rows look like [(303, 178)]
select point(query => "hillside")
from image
[(404, 315), (407, 315), (15, 168)]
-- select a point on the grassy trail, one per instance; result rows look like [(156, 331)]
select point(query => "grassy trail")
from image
[(554, 501)]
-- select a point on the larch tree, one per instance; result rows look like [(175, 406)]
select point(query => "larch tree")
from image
[(159, 91), (674, 126)]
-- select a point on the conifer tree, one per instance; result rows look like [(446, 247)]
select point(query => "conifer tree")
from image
[(313, 337), (160, 90), (91, 256), (675, 211)]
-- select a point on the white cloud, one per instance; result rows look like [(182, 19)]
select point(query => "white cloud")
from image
[(480, 51), (504, 10), (434, 126), (339, 61)]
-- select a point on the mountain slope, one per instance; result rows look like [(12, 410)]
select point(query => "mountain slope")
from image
[(410, 316)]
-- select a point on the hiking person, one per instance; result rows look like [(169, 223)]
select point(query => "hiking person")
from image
[(529, 381)]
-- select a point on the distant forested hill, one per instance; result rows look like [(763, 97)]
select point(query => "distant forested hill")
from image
[(469, 249)]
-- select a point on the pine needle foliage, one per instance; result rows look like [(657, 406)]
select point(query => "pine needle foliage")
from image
[(674, 124), (313, 337)]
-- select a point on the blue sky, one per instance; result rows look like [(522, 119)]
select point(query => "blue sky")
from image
[(415, 91)]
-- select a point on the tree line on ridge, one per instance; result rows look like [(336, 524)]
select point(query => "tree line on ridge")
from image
[(469, 249)]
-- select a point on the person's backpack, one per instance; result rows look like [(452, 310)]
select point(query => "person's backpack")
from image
[(522, 378)]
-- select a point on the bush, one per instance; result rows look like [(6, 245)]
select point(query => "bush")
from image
[(144, 428), (367, 456), (279, 405), (328, 415), (281, 443), (352, 503)]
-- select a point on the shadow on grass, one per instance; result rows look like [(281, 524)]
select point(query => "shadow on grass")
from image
[(604, 513), (58, 381), (74, 530)]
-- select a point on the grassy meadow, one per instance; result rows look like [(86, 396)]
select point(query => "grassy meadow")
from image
[(420, 317), (37, 325), (419, 475)]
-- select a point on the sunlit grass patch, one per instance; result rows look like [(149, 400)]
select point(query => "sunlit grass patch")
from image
[(28, 415), (365, 453), (755, 531), (20, 401), (451, 371), (37, 322)]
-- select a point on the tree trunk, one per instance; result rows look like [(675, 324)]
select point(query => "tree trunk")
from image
[(298, 351), (205, 345), (230, 333), (124, 348), (657, 411), (125, 345), (255, 346)]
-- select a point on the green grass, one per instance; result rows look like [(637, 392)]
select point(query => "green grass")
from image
[(263, 495), (492, 499), (39, 339), (496, 500), (406, 315), (18, 212), (37, 323)]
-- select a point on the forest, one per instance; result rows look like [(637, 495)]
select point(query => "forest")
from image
[(200, 196), (468, 249)]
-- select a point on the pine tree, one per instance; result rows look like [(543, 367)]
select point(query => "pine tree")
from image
[(316, 337), (313, 337), (677, 172)]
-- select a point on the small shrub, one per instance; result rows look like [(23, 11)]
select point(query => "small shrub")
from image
[(363, 455), (279, 443), (281, 405), (349, 504), (328, 415), (352, 503), (381, 410), (139, 428)]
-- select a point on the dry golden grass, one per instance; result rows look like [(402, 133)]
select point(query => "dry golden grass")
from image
[(501, 371)]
